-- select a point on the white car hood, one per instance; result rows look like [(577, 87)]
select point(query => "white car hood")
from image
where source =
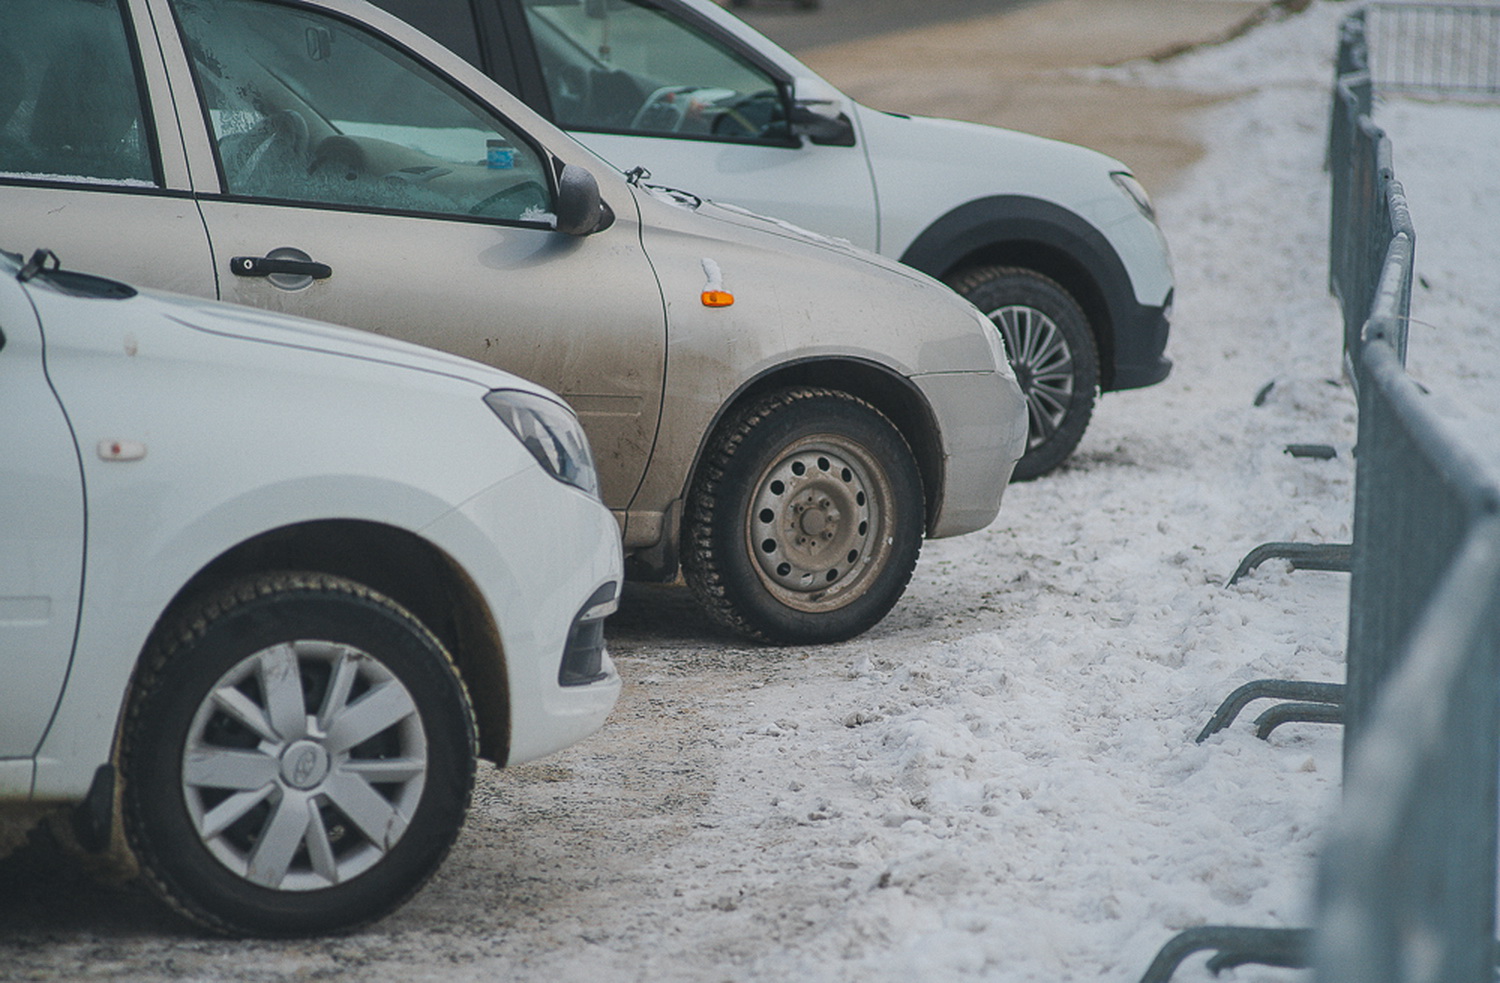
[(961, 157), (268, 327)]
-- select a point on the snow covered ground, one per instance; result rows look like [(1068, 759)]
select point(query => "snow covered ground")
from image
[(1000, 782)]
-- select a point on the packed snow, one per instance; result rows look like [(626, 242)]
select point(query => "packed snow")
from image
[(1000, 782)]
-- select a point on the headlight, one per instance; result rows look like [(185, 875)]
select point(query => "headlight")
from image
[(551, 433), (1137, 193)]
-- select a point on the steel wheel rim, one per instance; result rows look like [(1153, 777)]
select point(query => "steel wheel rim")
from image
[(818, 523), (304, 765), (1043, 364)]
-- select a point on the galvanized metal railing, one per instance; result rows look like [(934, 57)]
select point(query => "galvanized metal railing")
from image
[(1436, 47), (1368, 209), (1407, 879)]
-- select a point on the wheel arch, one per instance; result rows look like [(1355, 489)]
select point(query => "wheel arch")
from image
[(404, 567), (1014, 230), (889, 392)]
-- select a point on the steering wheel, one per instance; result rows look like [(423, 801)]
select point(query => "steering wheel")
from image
[(747, 116), (661, 110), (338, 156), (279, 140)]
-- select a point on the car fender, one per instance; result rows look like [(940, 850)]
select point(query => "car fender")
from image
[(1015, 230), (802, 305), (121, 606)]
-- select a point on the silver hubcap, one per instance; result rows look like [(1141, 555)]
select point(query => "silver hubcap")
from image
[(304, 765), (1044, 366), (817, 523)]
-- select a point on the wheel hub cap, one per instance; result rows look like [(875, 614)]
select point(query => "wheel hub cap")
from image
[(1043, 364), (304, 764), (812, 524)]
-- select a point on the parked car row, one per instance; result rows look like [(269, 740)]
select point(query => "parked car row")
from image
[(268, 587), (1055, 243), (325, 159)]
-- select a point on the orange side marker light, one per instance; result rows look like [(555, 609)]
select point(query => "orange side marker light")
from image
[(714, 294)]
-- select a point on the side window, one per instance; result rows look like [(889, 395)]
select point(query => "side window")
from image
[(625, 66), (70, 97), (308, 108)]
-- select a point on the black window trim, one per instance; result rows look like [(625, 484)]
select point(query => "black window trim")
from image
[(152, 135), (230, 198), (13, 179)]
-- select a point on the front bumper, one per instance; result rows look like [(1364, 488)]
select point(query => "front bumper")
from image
[(1140, 340), (539, 570), (982, 419)]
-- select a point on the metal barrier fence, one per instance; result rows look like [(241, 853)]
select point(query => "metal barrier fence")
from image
[(1407, 879), (1368, 207), (1436, 47)]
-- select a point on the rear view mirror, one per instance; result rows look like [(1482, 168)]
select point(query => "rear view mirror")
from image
[(601, 9), (580, 211), (319, 43)]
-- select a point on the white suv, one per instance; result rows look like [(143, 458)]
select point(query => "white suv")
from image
[(267, 588), (1055, 243)]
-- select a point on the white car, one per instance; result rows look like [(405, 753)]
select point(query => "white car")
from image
[(1055, 243), (267, 588)]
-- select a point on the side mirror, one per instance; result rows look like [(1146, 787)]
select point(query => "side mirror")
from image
[(818, 112), (836, 132), (580, 211)]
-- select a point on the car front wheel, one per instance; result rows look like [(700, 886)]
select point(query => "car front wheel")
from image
[(298, 757), (806, 519), (1052, 352)]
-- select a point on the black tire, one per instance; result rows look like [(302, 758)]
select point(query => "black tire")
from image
[(805, 519), (361, 755), (1053, 352)]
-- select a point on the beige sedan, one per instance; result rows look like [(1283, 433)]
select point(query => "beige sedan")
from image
[(778, 416)]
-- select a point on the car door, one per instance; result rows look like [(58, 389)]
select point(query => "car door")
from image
[(647, 83), (359, 185), (41, 534), (91, 162)]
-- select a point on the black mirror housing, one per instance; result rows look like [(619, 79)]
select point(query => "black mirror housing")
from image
[(828, 131), (580, 211)]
